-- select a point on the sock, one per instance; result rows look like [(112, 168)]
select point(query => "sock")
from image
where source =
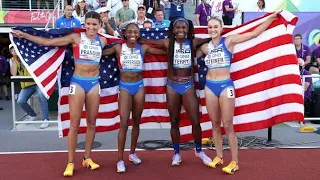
[(176, 148), (71, 162), (198, 146)]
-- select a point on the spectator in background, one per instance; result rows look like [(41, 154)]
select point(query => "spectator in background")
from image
[(141, 18), (147, 24), (177, 9), (261, 5), (316, 55), (159, 21), (134, 4), (67, 20), (27, 90), (102, 3), (38, 4), (80, 11), (108, 26), (303, 51), (151, 6), (90, 4), (166, 8), (307, 88), (228, 12), (4, 67), (114, 6), (203, 13), (124, 14)]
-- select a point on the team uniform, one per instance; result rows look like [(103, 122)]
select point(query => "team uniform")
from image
[(181, 60), (131, 60), (218, 56), (89, 52)]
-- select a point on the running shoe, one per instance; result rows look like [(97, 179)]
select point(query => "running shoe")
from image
[(231, 168), (216, 162), (202, 155), (88, 163), (69, 170), (134, 158), (176, 160), (120, 167)]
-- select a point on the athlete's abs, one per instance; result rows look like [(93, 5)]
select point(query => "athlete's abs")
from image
[(218, 74), (130, 76), (86, 70)]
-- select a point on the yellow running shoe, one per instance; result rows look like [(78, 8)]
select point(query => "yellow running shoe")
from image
[(216, 162), (88, 163), (231, 168), (69, 170)]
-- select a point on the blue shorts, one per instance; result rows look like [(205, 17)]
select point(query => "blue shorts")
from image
[(180, 88), (217, 87), (85, 83), (131, 87)]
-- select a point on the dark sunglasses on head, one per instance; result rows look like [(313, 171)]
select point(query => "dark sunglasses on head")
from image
[(124, 0)]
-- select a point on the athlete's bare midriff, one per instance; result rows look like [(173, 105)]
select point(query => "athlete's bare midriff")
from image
[(182, 72), (130, 76), (218, 74), (86, 70)]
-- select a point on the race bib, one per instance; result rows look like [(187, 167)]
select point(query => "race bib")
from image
[(90, 51), (182, 57), (215, 58), (131, 61), (230, 92), (72, 89)]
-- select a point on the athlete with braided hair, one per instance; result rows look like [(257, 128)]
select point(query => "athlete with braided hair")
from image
[(180, 84)]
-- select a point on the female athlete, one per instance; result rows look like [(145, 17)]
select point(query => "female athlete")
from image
[(132, 92), (84, 84), (219, 89)]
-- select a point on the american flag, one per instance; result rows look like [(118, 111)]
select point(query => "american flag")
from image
[(264, 70)]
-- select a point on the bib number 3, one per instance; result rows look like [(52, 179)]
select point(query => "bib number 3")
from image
[(230, 93), (72, 89)]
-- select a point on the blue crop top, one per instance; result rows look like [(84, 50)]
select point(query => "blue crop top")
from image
[(218, 56), (182, 55), (131, 59), (88, 51)]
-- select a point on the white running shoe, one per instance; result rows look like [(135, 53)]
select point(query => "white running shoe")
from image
[(205, 159), (176, 160), (30, 118), (134, 158), (120, 167), (44, 125)]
